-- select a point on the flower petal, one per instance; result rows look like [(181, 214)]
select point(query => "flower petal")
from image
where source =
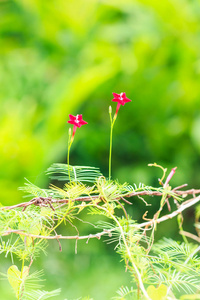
[(120, 98), (77, 120)]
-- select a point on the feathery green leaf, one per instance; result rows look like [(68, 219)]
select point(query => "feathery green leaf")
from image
[(77, 173)]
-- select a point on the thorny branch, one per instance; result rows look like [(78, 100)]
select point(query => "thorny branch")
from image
[(41, 201), (44, 201)]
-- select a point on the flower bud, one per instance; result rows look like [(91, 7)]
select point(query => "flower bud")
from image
[(169, 177), (70, 132)]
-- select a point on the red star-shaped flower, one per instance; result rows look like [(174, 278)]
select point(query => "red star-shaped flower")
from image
[(76, 120), (120, 98)]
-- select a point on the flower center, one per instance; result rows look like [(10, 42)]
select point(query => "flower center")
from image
[(121, 96), (77, 120)]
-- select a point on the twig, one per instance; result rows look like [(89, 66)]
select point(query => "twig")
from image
[(190, 235), (42, 200), (126, 201), (180, 187), (181, 208), (125, 212), (58, 236), (98, 235)]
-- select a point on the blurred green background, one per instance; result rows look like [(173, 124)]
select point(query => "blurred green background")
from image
[(66, 56)]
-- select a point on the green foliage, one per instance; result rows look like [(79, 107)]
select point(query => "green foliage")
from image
[(26, 286), (159, 293), (125, 293), (176, 265), (34, 191), (17, 279), (77, 173), (35, 295), (158, 270)]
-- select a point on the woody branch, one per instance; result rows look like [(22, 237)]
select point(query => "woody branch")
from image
[(44, 200), (186, 204)]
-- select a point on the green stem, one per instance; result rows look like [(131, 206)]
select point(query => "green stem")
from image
[(110, 152), (69, 146), (112, 122), (180, 225), (22, 267), (20, 293), (70, 140), (128, 251)]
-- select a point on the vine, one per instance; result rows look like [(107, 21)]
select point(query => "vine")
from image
[(166, 269)]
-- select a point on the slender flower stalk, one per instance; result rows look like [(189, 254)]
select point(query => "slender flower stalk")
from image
[(76, 121), (112, 121), (70, 140), (121, 99)]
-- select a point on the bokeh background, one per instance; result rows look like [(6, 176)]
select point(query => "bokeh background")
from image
[(68, 56)]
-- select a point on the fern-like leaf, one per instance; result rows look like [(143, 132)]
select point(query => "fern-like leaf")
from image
[(33, 190), (72, 190), (42, 295), (77, 173), (175, 265), (125, 293)]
